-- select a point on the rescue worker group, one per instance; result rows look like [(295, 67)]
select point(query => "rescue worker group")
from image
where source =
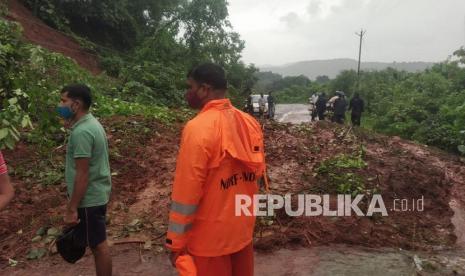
[(220, 170)]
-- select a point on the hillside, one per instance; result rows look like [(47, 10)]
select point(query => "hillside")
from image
[(332, 67), (37, 32)]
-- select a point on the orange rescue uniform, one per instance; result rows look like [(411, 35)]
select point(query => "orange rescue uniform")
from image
[(221, 156)]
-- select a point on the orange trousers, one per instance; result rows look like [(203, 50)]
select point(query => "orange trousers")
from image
[(240, 263)]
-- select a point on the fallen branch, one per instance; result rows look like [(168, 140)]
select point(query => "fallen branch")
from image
[(127, 242), (308, 239), (314, 235), (139, 241)]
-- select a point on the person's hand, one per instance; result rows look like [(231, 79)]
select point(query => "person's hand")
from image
[(174, 256), (71, 217)]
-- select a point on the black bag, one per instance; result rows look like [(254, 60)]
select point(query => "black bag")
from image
[(69, 246)]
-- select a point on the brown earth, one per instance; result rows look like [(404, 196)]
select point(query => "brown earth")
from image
[(397, 169), (37, 32), (143, 153)]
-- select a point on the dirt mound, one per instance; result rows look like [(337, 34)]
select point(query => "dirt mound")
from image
[(37, 32), (394, 169), (143, 155)]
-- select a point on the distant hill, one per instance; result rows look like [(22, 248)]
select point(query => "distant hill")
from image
[(332, 67)]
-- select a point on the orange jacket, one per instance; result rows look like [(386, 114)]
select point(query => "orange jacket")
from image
[(221, 155)]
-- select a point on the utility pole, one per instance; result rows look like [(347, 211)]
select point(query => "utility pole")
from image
[(357, 89), (361, 34)]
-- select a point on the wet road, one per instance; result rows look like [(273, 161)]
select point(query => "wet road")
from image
[(292, 113)]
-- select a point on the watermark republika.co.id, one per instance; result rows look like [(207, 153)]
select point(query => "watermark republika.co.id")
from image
[(322, 205)]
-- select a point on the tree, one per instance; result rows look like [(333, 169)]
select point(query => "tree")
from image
[(322, 79)]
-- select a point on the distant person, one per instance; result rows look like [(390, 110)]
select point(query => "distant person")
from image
[(270, 105), (6, 189), (357, 106), (313, 99), (250, 104), (320, 106), (340, 106), (87, 175), (261, 105), (333, 99)]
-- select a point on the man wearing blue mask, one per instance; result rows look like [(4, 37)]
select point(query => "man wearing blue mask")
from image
[(87, 174)]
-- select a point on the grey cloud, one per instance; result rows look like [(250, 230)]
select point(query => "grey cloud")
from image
[(314, 8), (291, 19), (401, 30), (349, 5)]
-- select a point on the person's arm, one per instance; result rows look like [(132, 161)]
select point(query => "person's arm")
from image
[(80, 188), (190, 176), (6, 190), (82, 152)]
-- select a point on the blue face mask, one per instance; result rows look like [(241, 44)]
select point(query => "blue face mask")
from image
[(65, 112)]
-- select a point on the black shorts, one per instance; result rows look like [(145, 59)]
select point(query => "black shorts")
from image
[(91, 230)]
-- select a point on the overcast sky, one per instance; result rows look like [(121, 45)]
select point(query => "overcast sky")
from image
[(284, 31)]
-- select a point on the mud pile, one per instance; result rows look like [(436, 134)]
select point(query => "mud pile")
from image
[(395, 169), (143, 155)]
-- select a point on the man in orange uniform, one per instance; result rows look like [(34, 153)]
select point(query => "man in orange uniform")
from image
[(221, 156)]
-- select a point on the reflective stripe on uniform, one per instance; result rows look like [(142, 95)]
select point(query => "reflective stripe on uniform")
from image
[(183, 209), (179, 228)]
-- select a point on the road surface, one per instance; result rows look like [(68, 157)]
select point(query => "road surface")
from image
[(292, 113)]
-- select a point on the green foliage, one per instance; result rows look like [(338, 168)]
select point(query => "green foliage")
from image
[(151, 44), (153, 83), (241, 79), (460, 54), (265, 80), (3, 8), (49, 11), (322, 79), (31, 79), (12, 100), (461, 149), (293, 94), (342, 161), (341, 174), (12, 118), (426, 107), (290, 89), (286, 82), (345, 81)]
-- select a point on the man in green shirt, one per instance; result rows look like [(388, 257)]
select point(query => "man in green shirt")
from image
[(87, 174)]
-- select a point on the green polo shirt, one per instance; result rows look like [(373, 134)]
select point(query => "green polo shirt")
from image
[(88, 140)]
